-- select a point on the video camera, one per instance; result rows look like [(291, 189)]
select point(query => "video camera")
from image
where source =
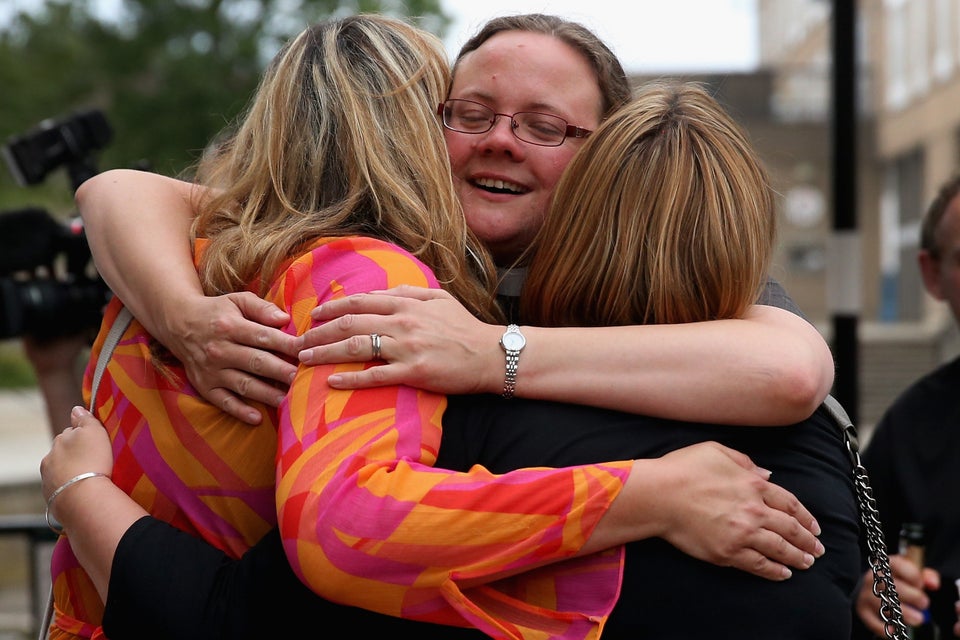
[(48, 285)]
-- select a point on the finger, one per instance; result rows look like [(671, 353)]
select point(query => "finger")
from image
[(798, 551), (912, 597), (742, 459), (911, 615), (782, 500), (414, 293), (382, 302), (358, 348), (233, 405), (776, 496), (259, 310), (378, 376), (266, 338), (251, 388), (758, 564), (931, 579), (342, 329), (229, 356), (80, 417), (267, 365), (359, 303)]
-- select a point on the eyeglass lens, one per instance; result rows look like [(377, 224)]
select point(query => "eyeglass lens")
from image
[(467, 116)]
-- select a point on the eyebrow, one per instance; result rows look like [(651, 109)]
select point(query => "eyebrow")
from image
[(539, 107)]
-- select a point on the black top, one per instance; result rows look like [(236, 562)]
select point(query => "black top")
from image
[(666, 593), (913, 460), (188, 589)]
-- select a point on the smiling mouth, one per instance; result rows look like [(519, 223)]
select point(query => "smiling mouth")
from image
[(499, 186)]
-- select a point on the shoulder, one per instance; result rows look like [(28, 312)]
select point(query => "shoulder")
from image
[(935, 389), (926, 406), (367, 263)]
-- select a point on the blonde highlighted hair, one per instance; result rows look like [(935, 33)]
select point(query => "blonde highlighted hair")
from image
[(341, 138), (665, 215)]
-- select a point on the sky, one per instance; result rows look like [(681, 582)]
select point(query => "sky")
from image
[(649, 36)]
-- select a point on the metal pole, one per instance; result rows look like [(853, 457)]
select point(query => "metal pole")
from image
[(843, 275)]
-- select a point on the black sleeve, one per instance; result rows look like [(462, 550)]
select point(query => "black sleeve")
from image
[(165, 584), (774, 295)]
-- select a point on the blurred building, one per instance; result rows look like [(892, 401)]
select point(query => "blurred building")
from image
[(908, 138)]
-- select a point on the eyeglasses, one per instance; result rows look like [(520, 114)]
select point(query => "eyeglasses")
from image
[(543, 129)]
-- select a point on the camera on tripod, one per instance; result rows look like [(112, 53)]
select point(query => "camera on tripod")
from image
[(48, 285)]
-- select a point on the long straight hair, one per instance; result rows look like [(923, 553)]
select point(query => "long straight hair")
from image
[(665, 215), (341, 138)]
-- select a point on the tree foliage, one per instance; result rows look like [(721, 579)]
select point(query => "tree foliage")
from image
[(168, 74)]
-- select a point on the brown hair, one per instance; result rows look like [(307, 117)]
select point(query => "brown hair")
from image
[(936, 211), (665, 215), (342, 138), (611, 79)]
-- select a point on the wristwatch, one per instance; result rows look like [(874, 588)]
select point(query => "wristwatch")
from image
[(512, 342)]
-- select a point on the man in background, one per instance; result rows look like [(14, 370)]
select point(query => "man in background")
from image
[(913, 457)]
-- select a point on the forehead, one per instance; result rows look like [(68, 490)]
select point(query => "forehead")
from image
[(521, 70)]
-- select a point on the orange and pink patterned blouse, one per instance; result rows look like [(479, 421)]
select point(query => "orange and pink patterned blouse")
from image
[(366, 520)]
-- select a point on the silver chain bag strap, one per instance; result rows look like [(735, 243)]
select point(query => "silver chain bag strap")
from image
[(883, 584)]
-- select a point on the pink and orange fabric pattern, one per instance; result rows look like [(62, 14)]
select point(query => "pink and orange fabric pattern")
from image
[(366, 520)]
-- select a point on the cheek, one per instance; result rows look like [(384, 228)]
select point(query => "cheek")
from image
[(458, 149), (554, 165), (950, 281)]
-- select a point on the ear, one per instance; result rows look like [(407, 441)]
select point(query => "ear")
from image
[(930, 272)]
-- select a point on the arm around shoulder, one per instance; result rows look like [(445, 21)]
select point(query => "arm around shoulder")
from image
[(769, 368), (137, 224)]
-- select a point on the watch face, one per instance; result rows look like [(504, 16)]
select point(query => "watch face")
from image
[(513, 341)]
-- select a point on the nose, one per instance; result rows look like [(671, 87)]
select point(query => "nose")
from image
[(500, 137)]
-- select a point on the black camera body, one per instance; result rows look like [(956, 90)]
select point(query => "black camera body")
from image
[(48, 285), (68, 142)]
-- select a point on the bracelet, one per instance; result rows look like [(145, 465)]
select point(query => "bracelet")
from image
[(55, 526)]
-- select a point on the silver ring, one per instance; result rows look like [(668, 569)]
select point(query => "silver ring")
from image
[(375, 341)]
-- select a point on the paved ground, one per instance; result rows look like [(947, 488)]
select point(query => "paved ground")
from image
[(24, 436), (24, 439)]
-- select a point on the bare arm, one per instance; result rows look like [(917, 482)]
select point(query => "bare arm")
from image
[(94, 512), (695, 371), (138, 227), (715, 504), (129, 218), (688, 372)]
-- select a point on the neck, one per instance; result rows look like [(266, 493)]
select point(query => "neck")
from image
[(511, 281)]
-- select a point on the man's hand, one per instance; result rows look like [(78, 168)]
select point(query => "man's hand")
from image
[(232, 351), (912, 584)]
